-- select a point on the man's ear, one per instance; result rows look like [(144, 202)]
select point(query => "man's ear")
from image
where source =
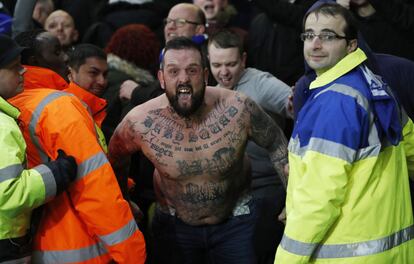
[(70, 77), (352, 45), (243, 58), (160, 76), (75, 36), (206, 75), (200, 29)]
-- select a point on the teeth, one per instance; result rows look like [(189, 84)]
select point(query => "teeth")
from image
[(225, 79), (184, 90)]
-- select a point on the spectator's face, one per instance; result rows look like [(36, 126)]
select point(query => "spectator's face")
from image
[(11, 79), (323, 55), (91, 76), (211, 7), (61, 25), (182, 11), (184, 80), (50, 54), (226, 65)]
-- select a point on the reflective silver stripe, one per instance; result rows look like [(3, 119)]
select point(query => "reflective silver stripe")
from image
[(349, 91), (69, 256), (323, 146), (35, 119), (365, 248), (338, 150), (362, 101), (333, 149), (10, 172), (25, 260), (91, 164), (48, 179), (121, 234), (370, 151)]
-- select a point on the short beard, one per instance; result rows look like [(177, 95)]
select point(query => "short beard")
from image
[(197, 99)]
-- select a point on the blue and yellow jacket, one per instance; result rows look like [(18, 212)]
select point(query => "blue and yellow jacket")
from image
[(350, 155)]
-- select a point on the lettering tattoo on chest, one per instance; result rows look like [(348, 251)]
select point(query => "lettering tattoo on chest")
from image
[(164, 125), (220, 163)]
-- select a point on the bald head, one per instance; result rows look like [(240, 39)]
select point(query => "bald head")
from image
[(61, 25), (184, 20)]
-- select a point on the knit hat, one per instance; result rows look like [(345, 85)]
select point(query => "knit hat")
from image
[(9, 50)]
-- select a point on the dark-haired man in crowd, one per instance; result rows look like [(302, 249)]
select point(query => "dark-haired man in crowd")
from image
[(350, 156), (183, 20), (88, 72), (228, 65)]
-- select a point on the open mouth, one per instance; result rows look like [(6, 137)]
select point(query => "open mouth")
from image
[(209, 8), (184, 93), (225, 80)]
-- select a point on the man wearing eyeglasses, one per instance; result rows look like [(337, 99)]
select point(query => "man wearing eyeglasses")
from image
[(350, 155), (184, 20)]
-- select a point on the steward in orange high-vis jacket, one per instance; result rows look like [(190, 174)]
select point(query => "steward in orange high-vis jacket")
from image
[(91, 222), (37, 77)]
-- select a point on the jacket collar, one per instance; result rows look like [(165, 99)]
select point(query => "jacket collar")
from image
[(344, 66), (39, 77), (95, 103)]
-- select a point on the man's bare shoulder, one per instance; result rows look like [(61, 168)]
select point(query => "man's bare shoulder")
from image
[(215, 94), (142, 110)]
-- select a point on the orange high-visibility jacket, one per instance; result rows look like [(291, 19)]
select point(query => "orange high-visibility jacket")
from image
[(91, 222), (39, 77), (95, 104)]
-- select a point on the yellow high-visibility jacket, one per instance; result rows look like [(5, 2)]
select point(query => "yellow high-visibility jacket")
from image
[(21, 190), (348, 198)]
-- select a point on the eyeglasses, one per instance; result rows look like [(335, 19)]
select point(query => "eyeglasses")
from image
[(324, 36), (179, 22)]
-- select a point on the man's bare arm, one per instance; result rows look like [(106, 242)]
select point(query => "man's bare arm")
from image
[(123, 143), (266, 133)]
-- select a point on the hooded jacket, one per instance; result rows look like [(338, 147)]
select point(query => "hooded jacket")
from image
[(91, 222), (348, 198)]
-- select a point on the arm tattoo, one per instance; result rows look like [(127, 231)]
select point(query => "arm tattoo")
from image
[(120, 151), (266, 133)]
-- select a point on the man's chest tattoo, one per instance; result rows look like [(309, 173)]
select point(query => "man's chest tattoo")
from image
[(218, 163), (166, 134)]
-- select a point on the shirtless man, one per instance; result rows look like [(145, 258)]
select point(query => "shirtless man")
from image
[(196, 137)]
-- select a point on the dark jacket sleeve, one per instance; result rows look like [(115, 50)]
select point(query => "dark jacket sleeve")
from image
[(23, 16), (398, 12), (146, 92)]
